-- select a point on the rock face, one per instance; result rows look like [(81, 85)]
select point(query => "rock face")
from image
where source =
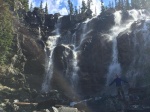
[(29, 55), (95, 51), (62, 58)]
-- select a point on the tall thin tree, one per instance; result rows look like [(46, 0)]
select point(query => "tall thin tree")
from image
[(46, 9), (102, 7), (41, 5)]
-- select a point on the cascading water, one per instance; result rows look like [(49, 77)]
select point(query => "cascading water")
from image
[(40, 36), (75, 51), (75, 69), (140, 63), (119, 27), (114, 67), (51, 44)]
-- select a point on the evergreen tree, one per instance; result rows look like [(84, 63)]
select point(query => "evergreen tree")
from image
[(41, 5), (71, 9), (84, 7), (119, 4), (6, 32), (76, 11), (127, 5), (132, 4), (102, 7), (79, 10), (122, 5), (112, 4), (109, 5), (89, 4), (115, 3), (46, 9)]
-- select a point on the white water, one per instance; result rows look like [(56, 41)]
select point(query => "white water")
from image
[(40, 36), (75, 69), (137, 65), (76, 50), (141, 48), (114, 67), (51, 44), (119, 27)]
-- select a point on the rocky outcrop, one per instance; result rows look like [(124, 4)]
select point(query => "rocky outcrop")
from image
[(62, 61)]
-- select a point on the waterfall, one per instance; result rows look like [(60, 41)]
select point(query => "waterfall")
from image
[(76, 50), (114, 67), (74, 77), (51, 44), (40, 36), (139, 65)]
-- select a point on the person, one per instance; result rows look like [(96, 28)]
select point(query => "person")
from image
[(118, 82)]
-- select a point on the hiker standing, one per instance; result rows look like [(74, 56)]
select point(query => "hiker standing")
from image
[(118, 82)]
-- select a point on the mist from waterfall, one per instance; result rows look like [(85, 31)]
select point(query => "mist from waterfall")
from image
[(51, 44)]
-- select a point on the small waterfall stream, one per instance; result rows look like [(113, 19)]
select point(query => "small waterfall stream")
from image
[(51, 44), (40, 36), (76, 50)]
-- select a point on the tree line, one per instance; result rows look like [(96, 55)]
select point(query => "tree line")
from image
[(113, 4), (126, 4)]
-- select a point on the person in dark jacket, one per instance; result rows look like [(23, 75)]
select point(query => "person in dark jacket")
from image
[(118, 82)]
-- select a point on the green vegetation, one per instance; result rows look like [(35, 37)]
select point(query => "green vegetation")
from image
[(25, 4), (6, 33)]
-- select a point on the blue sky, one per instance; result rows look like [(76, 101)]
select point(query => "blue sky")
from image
[(61, 6)]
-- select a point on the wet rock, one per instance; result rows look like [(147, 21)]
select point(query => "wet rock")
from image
[(67, 109)]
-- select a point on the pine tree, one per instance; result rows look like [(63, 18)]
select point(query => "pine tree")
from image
[(79, 10), (41, 5), (112, 4), (46, 9), (102, 7), (119, 4), (122, 4), (71, 9), (127, 5), (84, 7), (6, 32), (115, 3), (89, 4), (76, 11), (109, 5)]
